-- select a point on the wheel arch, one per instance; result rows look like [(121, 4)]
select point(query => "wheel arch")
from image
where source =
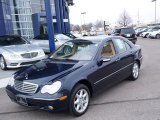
[(87, 83)]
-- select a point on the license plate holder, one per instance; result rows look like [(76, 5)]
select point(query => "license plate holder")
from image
[(21, 100)]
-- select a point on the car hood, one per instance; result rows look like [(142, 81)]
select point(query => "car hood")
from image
[(48, 70), (18, 49)]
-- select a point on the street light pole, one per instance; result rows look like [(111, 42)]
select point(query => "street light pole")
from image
[(83, 13), (155, 10)]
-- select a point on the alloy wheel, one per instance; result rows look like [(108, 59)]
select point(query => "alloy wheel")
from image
[(135, 70), (158, 36), (81, 100), (2, 63)]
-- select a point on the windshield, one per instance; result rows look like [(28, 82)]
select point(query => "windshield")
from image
[(78, 50), (11, 40), (62, 37)]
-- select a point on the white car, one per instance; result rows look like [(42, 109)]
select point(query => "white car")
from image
[(146, 34), (43, 42), (16, 51), (155, 34)]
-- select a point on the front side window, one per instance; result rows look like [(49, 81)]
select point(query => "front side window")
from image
[(108, 49), (76, 51), (120, 45), (128, 47)]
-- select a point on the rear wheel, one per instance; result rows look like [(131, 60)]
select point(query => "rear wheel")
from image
[(158, 36), (3, 65), (79, 101), (135, 72)]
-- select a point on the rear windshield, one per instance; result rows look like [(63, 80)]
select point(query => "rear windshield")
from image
[(9, 40), (127, 30)]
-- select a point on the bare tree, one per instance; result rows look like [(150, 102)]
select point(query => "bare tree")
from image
[(99, 24), (76, 28), (124, 19)]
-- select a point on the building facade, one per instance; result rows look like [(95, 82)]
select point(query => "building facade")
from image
[(18, 17)]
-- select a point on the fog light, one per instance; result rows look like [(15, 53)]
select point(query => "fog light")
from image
[(50, 107)]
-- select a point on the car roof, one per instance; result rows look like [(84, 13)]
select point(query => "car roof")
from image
[(95, 39), (10, 36)]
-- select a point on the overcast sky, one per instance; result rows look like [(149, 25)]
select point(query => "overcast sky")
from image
[(110, 10)]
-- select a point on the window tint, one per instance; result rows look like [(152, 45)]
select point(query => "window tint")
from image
[(108, 50), (120, 45), (128, 30)]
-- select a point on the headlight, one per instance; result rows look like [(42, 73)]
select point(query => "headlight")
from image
[(11, 81), (51, 89), (10, 55), (41, 53)]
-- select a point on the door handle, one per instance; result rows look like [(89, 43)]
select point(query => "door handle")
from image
[(118, 59)]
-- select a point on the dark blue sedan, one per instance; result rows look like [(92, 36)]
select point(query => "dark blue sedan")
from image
[(77, 70)]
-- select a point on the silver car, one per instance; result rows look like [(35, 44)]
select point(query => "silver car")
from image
[(43, 42), (17, 52)]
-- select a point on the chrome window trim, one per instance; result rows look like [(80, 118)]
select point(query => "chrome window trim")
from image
[(112, 74)]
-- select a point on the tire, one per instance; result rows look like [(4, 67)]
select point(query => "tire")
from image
[(3, 65), (147, 36), (158, 36), (135, 72), (78, 99)]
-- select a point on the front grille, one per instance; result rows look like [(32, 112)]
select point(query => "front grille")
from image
[(30, 55), (25, 87)]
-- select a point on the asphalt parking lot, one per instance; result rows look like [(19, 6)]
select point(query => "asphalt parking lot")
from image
[(138, 100)]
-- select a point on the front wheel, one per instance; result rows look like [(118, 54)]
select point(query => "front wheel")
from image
[(158, 36), (135, 72), (79, 101), (3, 65)]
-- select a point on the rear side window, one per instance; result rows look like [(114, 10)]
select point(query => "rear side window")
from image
[(120, 45), (117, 31)]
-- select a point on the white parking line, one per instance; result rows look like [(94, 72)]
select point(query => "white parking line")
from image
[(4, 82)]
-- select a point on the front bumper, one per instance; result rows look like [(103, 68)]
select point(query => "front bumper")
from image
[(46, 102), (16, 63)]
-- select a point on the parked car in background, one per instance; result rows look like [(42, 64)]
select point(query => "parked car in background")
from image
[(149, 31), (155, 34), (127, 32), (16, 51), (74, 73), (141, 30), (72, 36), (43, 41)]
